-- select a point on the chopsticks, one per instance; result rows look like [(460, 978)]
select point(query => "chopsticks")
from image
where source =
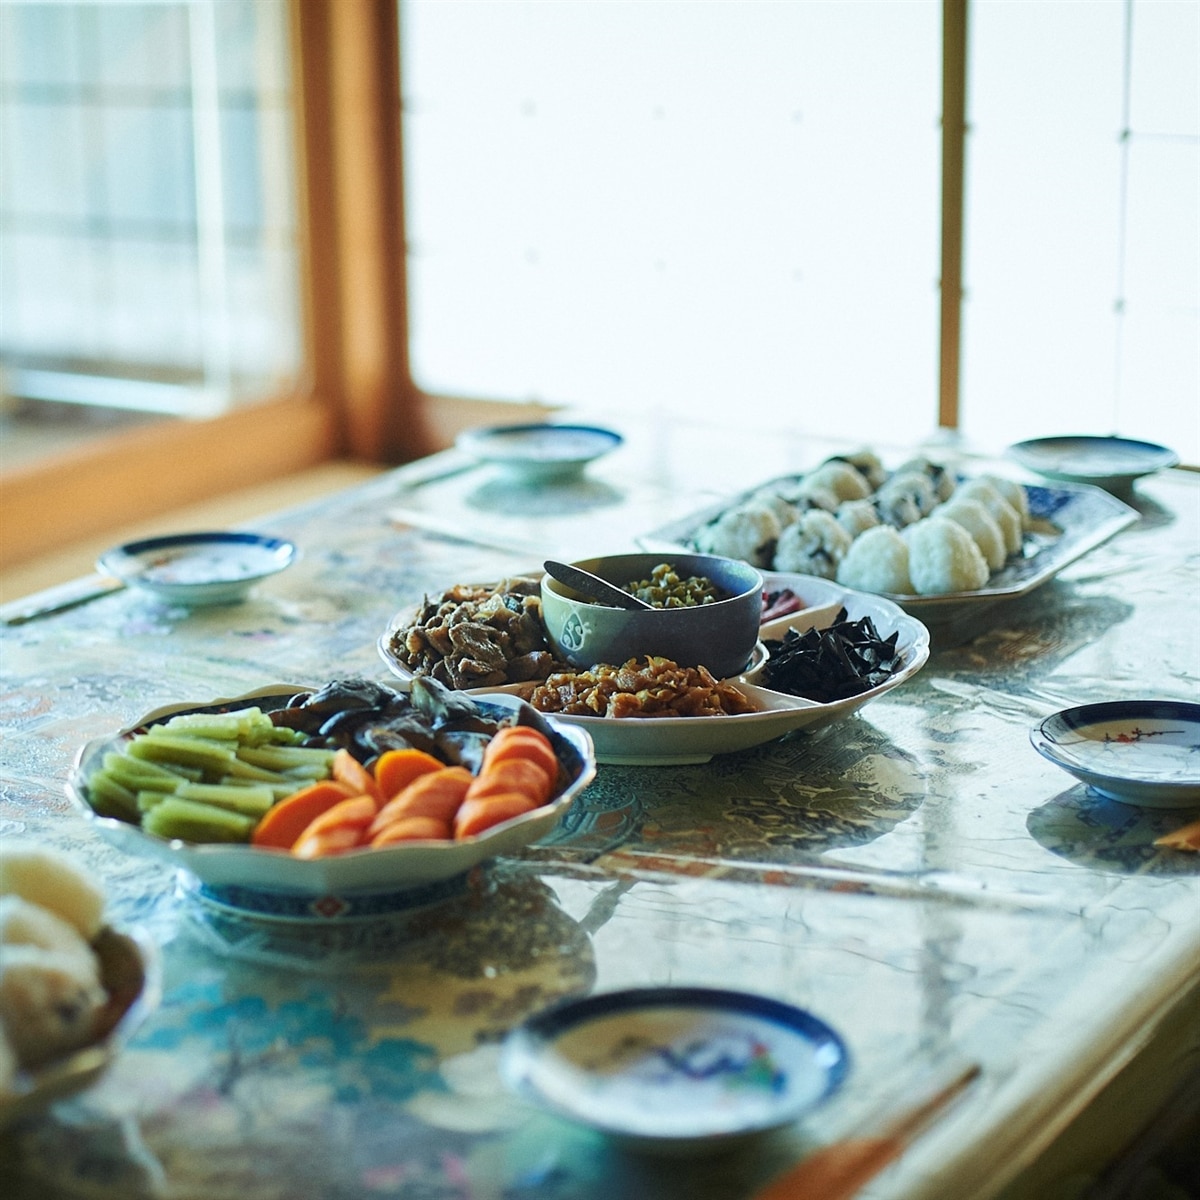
[(59, 599), (839, 1170)]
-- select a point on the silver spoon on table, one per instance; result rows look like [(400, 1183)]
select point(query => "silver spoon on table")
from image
[(593, 587)]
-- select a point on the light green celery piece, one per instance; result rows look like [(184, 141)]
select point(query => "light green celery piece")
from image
[(252, 800), (248, 725), (284, 758), (246, 772), (148, 798), (190, 751), (110, 798), (139, 772), (190, 821)]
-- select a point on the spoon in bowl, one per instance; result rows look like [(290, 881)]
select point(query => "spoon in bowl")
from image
[(593, 587)]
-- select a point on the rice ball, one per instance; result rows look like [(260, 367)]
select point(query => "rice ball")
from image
[(942, 480), (46, 877), (748, 532), (843, 480), (943, 557), (981, 525), (785, 511), (814, 545), (877, 561), (1004, 514), (868, 464), (50, 1001), (1014, 493), (857, 516)]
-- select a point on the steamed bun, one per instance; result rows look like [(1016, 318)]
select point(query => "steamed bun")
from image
[(50, 1001), (54, 881)]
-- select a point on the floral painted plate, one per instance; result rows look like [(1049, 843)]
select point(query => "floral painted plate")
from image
[(1144, 752), (676, 1070)]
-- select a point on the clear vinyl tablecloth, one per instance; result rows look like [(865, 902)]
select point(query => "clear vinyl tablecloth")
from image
[(917, 876)]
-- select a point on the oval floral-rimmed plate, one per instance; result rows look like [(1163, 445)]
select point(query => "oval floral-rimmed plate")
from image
[(361, 883), (674, 741), (130, 971), (1143, 752), (199, 568), (676, 1069)]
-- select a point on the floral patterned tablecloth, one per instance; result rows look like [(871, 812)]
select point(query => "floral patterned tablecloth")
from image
[(916, 875)]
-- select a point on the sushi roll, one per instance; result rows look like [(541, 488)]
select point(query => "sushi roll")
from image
[(43, 876), (857, 516), (943, 558), (814, 545), (50, 1001), (846, 482), (981, 525), (1002, 512), (748, 532), (877, 561)]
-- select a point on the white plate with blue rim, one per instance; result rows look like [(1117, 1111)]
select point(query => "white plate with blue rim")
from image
[(1112, 463), (1141, 752), (675, 1070), (197, 569), (539, 452)]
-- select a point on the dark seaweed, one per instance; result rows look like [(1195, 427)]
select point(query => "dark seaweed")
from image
[(845, 659)]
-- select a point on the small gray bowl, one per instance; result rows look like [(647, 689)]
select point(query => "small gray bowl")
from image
[(720, 636)]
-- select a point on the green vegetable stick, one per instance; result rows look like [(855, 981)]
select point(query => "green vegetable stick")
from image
[(192, 822), (250, 800), (187, 750), (110, 798)]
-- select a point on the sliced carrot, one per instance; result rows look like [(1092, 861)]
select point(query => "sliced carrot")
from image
[(346, 769), (474, 816), (339, 828), (286, 820), (396, 769), (513, 775), (437, 794), (413, 829), (522, 741)]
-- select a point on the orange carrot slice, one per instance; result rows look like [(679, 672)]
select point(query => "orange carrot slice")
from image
[(522, 741), (338, 829), (413, 829), (437, 794), (513, 775), (346, 769), (474, 816), (396, 769), (286, 820)]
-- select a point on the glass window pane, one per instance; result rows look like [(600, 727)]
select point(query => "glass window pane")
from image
[(678, 207)]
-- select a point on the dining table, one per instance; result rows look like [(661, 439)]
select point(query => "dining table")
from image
[(960, 910)]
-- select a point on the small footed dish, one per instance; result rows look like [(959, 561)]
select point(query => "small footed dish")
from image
[(539, 453), (676, 1070), (1141, 752), (199, 569)]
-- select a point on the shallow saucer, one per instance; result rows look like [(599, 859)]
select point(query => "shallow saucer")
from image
[(1112, 463), (539, 452), (1142, 752), (199, 569), (675, 1070)]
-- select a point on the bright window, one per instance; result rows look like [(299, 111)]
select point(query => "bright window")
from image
[(147, 216)]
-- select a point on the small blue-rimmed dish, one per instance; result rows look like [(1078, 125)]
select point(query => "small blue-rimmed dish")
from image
[(1112, 463), (539, 452), (199, 568), (1143, 752), (675, 1070)]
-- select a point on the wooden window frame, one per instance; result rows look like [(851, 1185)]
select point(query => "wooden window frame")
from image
[(356, 398)]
